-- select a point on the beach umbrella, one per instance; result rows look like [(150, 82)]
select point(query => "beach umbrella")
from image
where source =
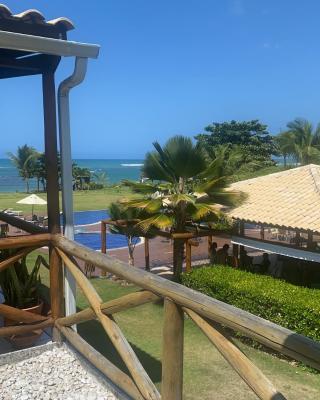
[(33, 200)]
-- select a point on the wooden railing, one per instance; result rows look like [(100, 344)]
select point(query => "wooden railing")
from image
[(210, 315)]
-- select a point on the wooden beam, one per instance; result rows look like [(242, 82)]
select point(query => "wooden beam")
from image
[(253, 377), (56, 289), (25, 241), (122, 380), (11, 260), (21, 224), (271, 335), (15, 314), (21, 329), (172, 352), (51, 152), (110, 307)]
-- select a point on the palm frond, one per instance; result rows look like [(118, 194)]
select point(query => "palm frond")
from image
[(201, 211), (148, 205), (159, 221), (137, 187)]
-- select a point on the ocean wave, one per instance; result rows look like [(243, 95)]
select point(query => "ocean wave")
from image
[(131, 165)]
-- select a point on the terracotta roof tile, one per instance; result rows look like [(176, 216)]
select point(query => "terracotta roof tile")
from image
[(35, 17)]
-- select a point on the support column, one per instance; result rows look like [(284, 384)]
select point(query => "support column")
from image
[(172, 358), (51, 152)]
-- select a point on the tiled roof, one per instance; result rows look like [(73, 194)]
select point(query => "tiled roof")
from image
[(288, 199), (35, 17)]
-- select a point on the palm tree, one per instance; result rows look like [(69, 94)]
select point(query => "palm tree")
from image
[(286, 145), (306, 141), (184, 190), (24, 161), (125, 221), (81, 176), (101, 178)]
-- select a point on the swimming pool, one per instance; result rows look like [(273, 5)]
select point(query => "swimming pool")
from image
[(93, 239)]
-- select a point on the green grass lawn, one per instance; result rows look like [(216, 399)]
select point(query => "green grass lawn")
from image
[(206, 374), (82, 200)]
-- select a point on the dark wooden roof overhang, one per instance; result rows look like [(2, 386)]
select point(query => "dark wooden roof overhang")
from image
[(15, 63)]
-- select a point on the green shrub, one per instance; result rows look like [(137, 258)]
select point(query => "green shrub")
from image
[(290, 306)]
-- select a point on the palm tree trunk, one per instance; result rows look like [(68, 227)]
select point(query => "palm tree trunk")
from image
[(130, 249), (27, 184), (285, 160), (178, 251)]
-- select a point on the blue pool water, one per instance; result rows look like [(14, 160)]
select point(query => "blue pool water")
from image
[(93, 239)]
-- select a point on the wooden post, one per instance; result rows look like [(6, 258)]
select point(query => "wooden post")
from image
[(146, 254), (51, 157), (188, 256), (56, 291), (172, 358), (103, 243), (262, 232), (51, 152)]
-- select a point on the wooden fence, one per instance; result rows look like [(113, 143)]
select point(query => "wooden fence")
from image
[(210, 315)]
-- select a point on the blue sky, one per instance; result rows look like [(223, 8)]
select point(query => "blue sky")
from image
[(173, 67)]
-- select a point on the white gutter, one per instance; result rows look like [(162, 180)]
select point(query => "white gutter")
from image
[(66, 168), (37, 44)]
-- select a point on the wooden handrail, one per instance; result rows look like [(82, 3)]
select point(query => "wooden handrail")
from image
[(38, 240), (20, 329), (18, 315), (274, 336), (25, 226)]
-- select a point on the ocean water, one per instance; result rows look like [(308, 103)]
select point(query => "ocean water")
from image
[(116, 171)]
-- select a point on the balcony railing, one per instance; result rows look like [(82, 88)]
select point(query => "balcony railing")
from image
[(210, 315)]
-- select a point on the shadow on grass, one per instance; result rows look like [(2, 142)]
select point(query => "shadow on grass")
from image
[(94, 334)]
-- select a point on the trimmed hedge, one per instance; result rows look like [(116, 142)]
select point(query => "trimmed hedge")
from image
[(290, 306)]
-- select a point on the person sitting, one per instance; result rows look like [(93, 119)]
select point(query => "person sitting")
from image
[(222, 255), (213, 252)]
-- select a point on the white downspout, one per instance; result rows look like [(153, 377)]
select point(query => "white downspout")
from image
[(75, 79)]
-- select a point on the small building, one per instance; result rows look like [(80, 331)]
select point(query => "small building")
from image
[(281, 214)]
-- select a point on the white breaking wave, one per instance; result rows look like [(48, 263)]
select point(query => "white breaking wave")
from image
[(131, 165)]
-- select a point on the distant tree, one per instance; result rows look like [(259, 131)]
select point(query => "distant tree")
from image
[(129, 229), (101, 178), (250, 137), (25, 160), (286, 145), (40, 171), (305, 141), (82, 176)]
